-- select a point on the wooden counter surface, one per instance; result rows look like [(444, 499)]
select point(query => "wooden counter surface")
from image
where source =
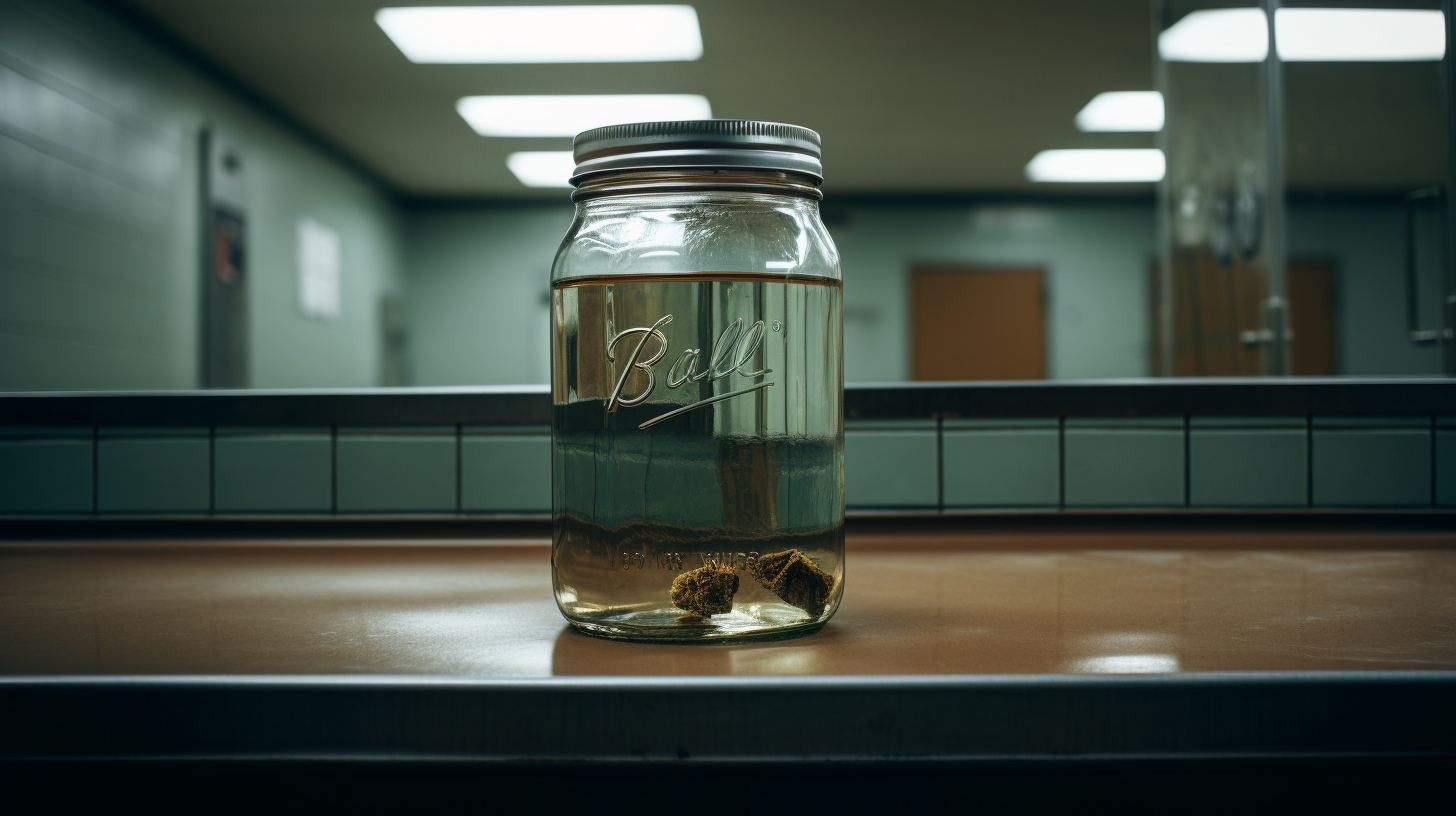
[(945, 618), (933, 604)]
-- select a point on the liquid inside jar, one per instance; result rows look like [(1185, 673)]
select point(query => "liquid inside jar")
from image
[(697, 455)]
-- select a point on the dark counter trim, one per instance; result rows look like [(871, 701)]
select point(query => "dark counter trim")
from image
[(485, 405), (531, 405), (1307, 714), (1153, 397), (1324, 528)]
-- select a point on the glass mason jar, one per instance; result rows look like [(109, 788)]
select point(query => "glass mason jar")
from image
[(697, 386)]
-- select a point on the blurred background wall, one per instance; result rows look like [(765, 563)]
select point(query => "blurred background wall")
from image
[(476, 279), (100, 232), (1364, 241), (100, 241), (477, 282)]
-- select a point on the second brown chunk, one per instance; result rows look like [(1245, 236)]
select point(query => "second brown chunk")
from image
[(791, 575)]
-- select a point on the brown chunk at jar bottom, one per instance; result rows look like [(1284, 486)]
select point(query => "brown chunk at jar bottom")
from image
[(791, 575), (706, 590)]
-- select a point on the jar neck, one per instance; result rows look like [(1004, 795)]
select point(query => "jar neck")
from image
[(698, 180)]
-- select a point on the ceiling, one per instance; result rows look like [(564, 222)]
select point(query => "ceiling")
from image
[(910, 97)]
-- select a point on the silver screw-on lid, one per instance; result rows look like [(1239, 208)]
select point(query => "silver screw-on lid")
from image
[(707, 143)]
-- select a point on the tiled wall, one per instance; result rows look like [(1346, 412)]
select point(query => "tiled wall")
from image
[(233, 471), (1151, 463), (99, 218), (895, 466)]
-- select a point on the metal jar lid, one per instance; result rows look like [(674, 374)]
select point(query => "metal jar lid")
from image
[(703, 143)]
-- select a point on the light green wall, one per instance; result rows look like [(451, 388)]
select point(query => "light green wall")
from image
[(478, 279), (1366, 243), (478, 286), (99, 217), (478, 276), (290, 351), (1096, 259)]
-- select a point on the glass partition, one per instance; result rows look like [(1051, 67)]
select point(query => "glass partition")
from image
[(1303, 217)]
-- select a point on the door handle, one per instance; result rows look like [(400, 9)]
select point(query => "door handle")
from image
[(1262, 337), (1414, 332)]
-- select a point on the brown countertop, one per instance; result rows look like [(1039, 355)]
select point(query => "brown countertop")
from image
[(924, 602), (955, 639)]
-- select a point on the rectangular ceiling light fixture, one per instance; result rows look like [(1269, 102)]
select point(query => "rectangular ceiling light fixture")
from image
[(1359, 35), (1096, 165), (570, 115), (517, 34), (542, 168), (1217, 35), (1122, 111), (1307, 35)]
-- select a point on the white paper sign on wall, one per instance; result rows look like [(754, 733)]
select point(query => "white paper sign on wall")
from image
[(318, 270)]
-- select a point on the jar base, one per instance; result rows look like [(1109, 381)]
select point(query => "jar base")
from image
[(674, 626)]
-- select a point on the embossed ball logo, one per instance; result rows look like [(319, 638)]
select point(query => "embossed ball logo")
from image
[(730, 354)]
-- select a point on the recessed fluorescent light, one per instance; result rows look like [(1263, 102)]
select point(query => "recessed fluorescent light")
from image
[(1307, 35), (1217, 35), (498, 34), (1122, 111), (1359, 35), (570, 115), (542, 168), (1096, 165)]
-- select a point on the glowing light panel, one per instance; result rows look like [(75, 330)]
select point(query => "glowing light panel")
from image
[(542, 168), (570, 115), (1359, 35), (1217, 35), (1096, 165), (517, 34), (1307, 35), (1122, 111)]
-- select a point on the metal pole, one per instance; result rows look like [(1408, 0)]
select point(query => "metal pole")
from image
[(1447, 325), (1164, 198), (1276, 306)]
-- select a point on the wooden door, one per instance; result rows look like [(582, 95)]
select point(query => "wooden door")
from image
[(1215, 307), (976, 323), (1311, 295)]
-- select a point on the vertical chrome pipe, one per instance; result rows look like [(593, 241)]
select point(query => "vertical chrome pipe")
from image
[(1276, 305), (1163, 366), (1447, 325)]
